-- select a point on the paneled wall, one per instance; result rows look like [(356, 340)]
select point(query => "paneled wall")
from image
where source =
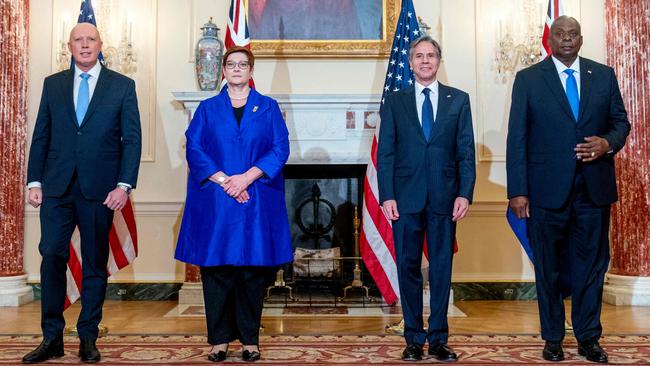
[(467, 30)]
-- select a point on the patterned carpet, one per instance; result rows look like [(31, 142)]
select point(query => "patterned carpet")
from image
[(342, 350)]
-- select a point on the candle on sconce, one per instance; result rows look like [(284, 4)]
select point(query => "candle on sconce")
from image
[(130, 31)]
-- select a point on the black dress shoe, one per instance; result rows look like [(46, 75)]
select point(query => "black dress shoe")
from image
[(250, 356), (443, 353), (412, 352), (88, 351), (49, 348), (217, 356), (553, 351), (593, 352)]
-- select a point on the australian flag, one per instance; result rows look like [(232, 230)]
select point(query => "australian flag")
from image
[(87, 15), (399, 74)]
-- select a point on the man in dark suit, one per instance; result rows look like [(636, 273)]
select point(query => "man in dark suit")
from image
[(567, 120), (83, 162), (426, 174)]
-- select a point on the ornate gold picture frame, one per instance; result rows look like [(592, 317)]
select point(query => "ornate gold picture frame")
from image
[(274, 46)]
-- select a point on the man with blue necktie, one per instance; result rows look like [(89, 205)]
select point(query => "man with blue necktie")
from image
[(426, 174), (567, 120), (83, 162)]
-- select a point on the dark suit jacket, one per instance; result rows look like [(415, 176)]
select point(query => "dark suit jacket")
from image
[(410, 169), (542, 133), (106, 148)]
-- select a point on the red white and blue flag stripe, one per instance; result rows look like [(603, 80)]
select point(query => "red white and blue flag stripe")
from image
[(237, 31), (376, 241), (553, 11)]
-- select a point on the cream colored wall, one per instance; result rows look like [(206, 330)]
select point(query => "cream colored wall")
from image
[(488, 250)]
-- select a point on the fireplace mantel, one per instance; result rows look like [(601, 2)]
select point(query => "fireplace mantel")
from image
[(323, 128)]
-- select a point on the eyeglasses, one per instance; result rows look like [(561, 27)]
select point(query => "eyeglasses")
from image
[(242, 65)]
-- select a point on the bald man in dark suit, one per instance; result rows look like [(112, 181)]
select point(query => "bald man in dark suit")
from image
[(567, 120), (83, 162)]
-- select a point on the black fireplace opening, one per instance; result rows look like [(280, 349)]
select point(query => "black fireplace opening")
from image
[(323, 201)]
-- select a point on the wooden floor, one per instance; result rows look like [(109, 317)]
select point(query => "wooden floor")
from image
[(483, 317)]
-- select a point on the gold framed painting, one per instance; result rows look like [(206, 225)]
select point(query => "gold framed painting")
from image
[(322, 28)]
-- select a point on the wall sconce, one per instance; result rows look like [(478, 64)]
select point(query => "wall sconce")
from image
[(512, 55), (120, 57)]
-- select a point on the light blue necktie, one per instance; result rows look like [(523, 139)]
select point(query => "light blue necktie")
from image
[(572, 93), (427, 114), (83, 98)]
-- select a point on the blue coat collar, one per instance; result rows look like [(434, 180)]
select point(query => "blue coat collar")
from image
[(255, 106)]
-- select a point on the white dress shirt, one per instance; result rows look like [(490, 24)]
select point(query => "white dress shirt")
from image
[(433, 95), (575, 66), (92, 82)]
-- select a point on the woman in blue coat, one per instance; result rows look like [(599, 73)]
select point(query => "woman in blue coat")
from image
[(235, 225)]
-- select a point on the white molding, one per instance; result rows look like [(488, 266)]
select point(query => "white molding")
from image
[(317, 123), (14, 291), (488, 209), (626, 290), (491, 277), (174, 208), (141, 209), (162, 277)]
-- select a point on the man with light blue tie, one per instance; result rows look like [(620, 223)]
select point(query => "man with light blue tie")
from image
[(567, 120), (83, 162), (426, 175)]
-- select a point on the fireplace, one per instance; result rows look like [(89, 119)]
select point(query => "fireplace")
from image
[(330, 140)]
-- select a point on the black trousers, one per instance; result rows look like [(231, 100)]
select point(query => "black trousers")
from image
[(579, 230), (59, 216), (234, 297), (409, 233)]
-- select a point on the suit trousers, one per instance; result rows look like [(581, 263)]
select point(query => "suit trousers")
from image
[(579, 230), (234, 298), (409, 235), (59, 216)]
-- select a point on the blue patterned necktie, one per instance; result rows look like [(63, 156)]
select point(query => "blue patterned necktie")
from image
[(572, 93), (427, 114), (83, 98)]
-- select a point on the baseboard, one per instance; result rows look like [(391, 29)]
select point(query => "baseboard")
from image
[(521, 291)]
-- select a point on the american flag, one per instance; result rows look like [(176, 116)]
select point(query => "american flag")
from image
[(237, 31), (554, 10), (376, 244), (123, 238)]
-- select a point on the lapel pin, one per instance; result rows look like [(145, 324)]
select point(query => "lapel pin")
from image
[(448, 95), (588, 71), (254, 109)]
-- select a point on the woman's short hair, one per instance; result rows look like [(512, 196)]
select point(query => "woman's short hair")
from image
[(244, 50)]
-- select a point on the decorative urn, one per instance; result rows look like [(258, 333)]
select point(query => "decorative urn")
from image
[(209, 52)]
